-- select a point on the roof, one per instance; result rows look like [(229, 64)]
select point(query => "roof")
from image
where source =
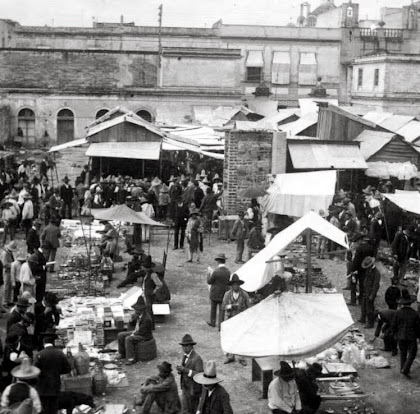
[(411, 131), (196, 134), (344, 110), (358, 110), (377, 117), (142, 150), (107, 115), (70, 144), (395, 122), (324, 155), (294, 128), (373, 141), (323, 8)]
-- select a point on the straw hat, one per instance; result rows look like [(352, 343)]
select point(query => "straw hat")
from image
[(209, 376), (198, 177), (27, 295), (25, 370), (203, 173), (172, 178), (194, 211), (12, 246), (164, 189), (187, 340), (206, 180), (156, 181), (216, 177)]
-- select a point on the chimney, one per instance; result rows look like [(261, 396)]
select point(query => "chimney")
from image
[(122, 19)]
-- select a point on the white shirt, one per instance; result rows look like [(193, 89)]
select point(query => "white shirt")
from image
[(283, 395)]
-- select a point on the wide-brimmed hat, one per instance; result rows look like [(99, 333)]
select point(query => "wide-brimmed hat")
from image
[(406, 298), (209, 376), (147, 262), (140, 305), (164, 189), (286, 371), (28, 317), (156, 181), (27, 295), (143, 200), (216, 177), (367, 190), (220, 256), (172, 178), (235, 280), (66, 179), (165, 367), (26, 195), (198, 177), (38, 222), (194, 210), (187, 340), (22, 302), (206, 180), (12, 246), (33, 258), (368, 262), (203, 173), (25, 370)]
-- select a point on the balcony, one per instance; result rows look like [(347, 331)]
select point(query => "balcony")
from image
[(390, 35)]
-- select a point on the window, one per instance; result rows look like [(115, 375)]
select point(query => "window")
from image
[(308, 69), (26, 126), (360, 78), (349, 11), (65, 126), (376, 78), (311, 21), (146, 115), (254, 66), (101, 113), (280, 74)]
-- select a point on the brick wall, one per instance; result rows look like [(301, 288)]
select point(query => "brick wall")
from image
[(248, 159), (4, 124), (57, 70)]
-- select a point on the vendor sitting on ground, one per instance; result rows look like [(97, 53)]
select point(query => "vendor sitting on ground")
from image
[(308, 388), (142, 332), (134, 268), (161, 389)]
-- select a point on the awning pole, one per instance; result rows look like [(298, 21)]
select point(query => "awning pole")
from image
[(308, 261)]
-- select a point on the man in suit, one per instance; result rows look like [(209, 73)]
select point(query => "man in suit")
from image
[(17, 313), (375, 230), (240, 233), (52, 362), (181, 213), (32, 239), (214, 398), (401, 250), (66, 194), (385, 318), (218, 282), (363, 250), (51, 240), (142, 332), (40, 273), (191, 365), (371, 282), (406, 330)]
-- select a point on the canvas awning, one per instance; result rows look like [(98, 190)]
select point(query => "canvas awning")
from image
[(280, 73), (321, 155), (70, 144), (142, 150), (123, 213), (256, 272), (291, 326), (296, 127), (255, 59), (406, 200), (385, 170), (296, 194), (373, 141)]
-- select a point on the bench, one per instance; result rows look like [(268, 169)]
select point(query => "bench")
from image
[(262, 370), (160, 311)]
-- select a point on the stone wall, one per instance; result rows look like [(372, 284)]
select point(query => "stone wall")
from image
[(4, 124), (249, 157)]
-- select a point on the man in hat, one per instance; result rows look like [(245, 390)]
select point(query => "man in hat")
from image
[(406, 330), (55, 205), (33, 241), (218, 281), (191, 365), (180, 219), (9, 217), (66, 194), (7, 258), (401, 250), (198, 194), (216, 181), (21, 389), (308, 388), (392, 294), (150, 283), (240, 233), (27, 212), (214, 398), (21, 329), (204, 184), (384, 325), (142, 332), (193, 232), (161, 389), (15, 275), (256, 240), (163, 202), (17, 313), (53, 363), (235, 301), (371, 282), (283, 393), (375, 230), (134, 268), (27, 277), (51, 241)]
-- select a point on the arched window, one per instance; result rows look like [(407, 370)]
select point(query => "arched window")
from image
[(349, 11), (65, 126), (101, 112), (146, 115), (311, 21), (26, 126)]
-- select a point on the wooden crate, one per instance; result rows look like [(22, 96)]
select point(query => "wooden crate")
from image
[(79, 383)]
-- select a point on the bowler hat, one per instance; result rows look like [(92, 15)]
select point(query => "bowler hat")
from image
[(406, 298), (368, 262), (220, 256), (286, 371), (235, 280), (187, 340), (165, 367), (22, 302), (33, 258), (209, 376)]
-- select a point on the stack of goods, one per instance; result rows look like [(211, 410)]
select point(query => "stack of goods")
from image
[(73, 232)]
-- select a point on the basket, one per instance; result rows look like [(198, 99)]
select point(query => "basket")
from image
[(79, 383)]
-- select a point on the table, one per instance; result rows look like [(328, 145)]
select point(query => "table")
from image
[(262, 370)]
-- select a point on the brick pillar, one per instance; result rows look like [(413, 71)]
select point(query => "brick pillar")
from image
[(279, 153)]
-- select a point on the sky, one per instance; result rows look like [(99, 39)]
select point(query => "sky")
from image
[(190, 13)]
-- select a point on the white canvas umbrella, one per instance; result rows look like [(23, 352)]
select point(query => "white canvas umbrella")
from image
[(292, 326)]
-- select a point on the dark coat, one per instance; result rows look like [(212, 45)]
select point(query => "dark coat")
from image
[(375, 230), (198, 197), (401, 247), (51, 235), (145, 327), (392, 294), (385, 319), (406, 324), (362, 251), (219, 283), (166, 392), (371, 282), (13, 318), (195, 364), (52, 363), (66, 194), (181, 215), (32, 240), (217, 403)]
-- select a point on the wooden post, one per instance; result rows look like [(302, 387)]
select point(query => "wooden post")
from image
[(308, 261)]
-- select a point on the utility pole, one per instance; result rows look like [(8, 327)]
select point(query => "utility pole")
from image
[(160, 72)]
